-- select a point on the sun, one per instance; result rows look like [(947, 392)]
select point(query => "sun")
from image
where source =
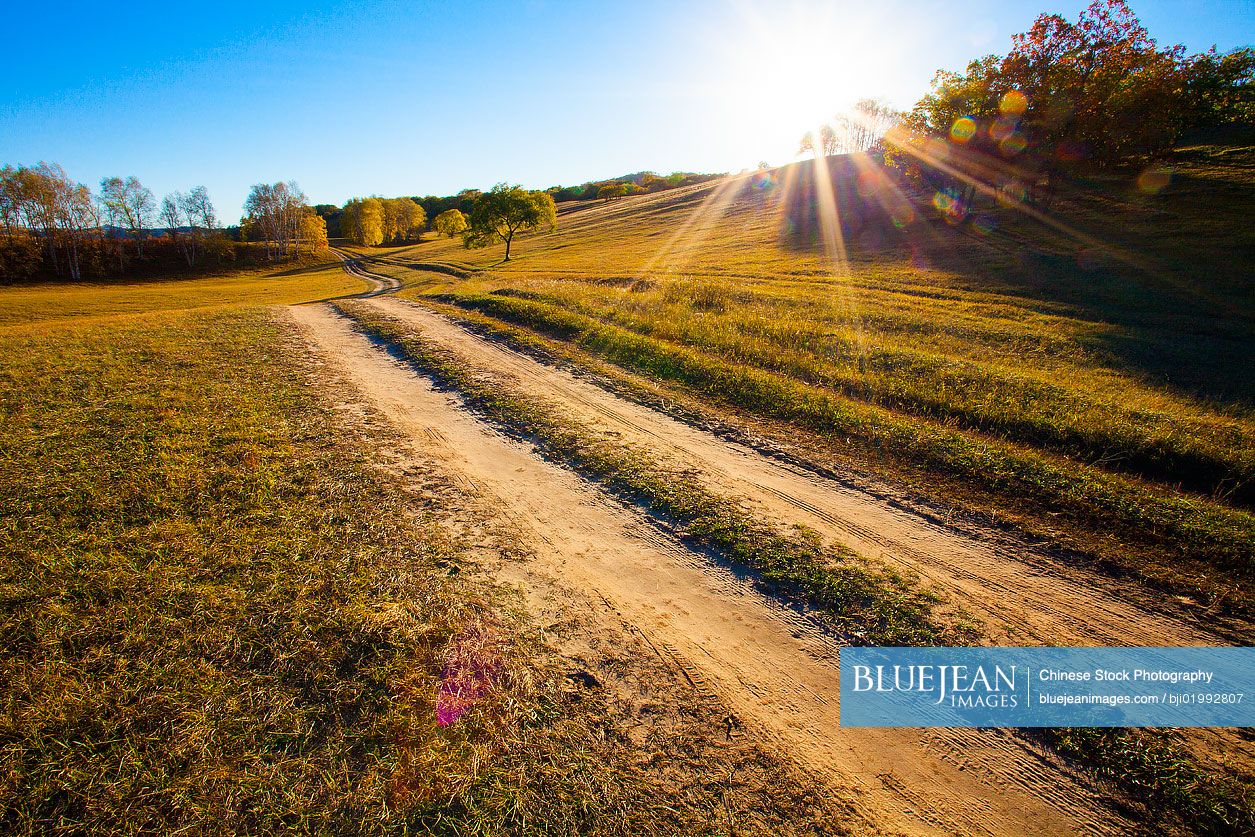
[(785, 69), (804, 69)]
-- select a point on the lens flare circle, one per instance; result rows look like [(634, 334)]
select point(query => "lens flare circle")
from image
[(1013, 103), (963, 129), (1001, 128), (1013, 144)]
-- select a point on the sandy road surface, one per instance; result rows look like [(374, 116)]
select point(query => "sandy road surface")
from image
[(1017, 596), (772, 668), (379, 283)]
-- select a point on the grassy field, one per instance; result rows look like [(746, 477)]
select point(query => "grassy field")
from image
[(1082, 378), (221, 616), (857, 599), (75, 304)]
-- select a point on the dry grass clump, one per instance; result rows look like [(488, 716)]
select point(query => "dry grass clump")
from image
[(702, 296)]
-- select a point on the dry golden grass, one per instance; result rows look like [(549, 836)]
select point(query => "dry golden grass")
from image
[(220, 615), (54, 303)]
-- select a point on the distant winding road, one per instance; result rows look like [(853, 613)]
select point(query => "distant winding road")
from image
[(379, 283)]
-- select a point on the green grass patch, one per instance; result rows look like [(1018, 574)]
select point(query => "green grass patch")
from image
[(1149, 765)]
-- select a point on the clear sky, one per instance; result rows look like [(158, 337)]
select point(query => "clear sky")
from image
[(413, 98)]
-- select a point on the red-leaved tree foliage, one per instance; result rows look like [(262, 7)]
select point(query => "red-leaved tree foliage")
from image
[(1093, 93)]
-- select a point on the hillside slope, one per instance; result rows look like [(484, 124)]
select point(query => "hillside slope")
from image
[(1073, 373)]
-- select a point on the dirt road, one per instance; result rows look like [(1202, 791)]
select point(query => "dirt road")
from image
[(1019, 597), (771, 667), (378, 282)]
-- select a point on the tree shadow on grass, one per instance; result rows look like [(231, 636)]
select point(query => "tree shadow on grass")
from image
[(1178, 325), (304, 269), (1165, 280)]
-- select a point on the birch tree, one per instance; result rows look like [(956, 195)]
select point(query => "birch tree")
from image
[(193, 211), (60, 214), (274, 211), (173, 218), (198, 209), (130, 205)]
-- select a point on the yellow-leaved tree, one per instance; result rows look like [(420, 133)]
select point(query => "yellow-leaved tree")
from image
[(403, 220), (361, 221), (450, 223), (313, 231)]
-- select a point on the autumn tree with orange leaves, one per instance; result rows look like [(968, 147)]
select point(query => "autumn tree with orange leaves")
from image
[(1094, 93)]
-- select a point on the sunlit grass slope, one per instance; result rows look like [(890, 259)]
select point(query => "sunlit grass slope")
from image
[(1090, 372)]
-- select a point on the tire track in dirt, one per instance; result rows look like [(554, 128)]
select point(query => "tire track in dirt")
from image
[(1016, 595), (773, 669)]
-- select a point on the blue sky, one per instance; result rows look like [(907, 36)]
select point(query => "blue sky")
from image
[(399, 98)]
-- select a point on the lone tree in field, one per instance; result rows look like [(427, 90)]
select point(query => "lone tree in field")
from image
[(451, 222), (507, 209)]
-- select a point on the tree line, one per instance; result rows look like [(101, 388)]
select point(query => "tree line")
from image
[(639, 183), (491, 217), (373, 221), (860, 130), (52, 226), (1071, 96), (1095, 93)]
